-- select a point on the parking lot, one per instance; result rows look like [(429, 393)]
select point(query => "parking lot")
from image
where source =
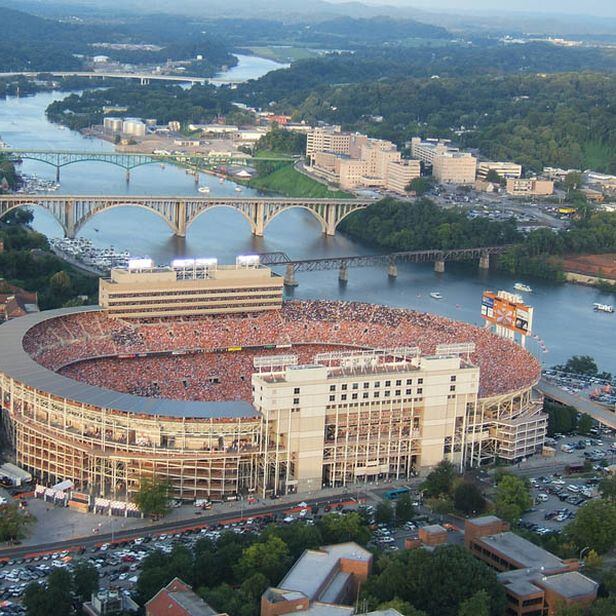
[(564, 483)]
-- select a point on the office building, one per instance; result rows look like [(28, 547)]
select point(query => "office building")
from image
[(536, 582), (426, 150), (324, 582), (454, 168), (504, 170), (327, 139), (531, 187)]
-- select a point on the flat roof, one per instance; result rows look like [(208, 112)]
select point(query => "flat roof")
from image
[(17, 363), (570, 584), (314, 567), (521, 551), (484, 520)]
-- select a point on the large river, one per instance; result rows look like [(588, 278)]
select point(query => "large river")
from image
[(564, 318)]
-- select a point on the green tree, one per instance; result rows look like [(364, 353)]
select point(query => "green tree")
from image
[(35, 600), (440, 480), (420, 186), (512, 498), (477, 605), (467, 498), (60, 283), (404, 509), (603, 607), (298, 536), (573, 181), (594, 526), (226, 599), (270, 558), (384, 513), (581, 364), (404, 607), (153, 496), (561, 419), (563, 609), (254, 586), (60, 592), (607, 488), (414, 575), (585, 423), (85, 580), (340, 528), (14, 523)]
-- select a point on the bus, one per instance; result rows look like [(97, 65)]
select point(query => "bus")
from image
[(395, 494)]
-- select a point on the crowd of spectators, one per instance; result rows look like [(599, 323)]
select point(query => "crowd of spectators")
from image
[(114, 353)]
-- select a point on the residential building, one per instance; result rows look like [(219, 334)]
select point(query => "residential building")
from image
[(427, 150), (178, 599), (505, 170), (531, 187), (454, 168), (536, 581), (15, 301), (324, 582)]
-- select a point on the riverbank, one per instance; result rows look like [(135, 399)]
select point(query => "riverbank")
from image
[(289, 182)]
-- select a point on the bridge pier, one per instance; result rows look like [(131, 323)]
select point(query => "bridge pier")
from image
[(343, 273), (484, 262), (439, 266), (392, 270), (127, 176), (180, 220), (58, 174), (258, 220), (289, 277)]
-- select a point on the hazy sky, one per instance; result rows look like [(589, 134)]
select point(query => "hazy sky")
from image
[(593, 7)]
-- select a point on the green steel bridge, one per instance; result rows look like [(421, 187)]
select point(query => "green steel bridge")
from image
[(131, 160)]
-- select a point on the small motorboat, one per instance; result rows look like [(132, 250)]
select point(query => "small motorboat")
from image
[(603, 308), (520, 286), (204, 189), (436, 295)]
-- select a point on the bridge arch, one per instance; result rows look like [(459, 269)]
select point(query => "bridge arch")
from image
[(102, 159), (81, 222), (269, 218), (55, 214), (209, 208)]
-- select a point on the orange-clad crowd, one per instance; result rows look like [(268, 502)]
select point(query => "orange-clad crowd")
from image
[(101, 350)]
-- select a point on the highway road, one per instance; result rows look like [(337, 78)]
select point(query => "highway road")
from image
[(597, 411), (171, 527)]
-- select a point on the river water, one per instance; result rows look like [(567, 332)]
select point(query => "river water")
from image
[(564, 318)]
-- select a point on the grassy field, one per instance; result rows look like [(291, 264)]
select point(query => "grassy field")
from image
[(290, 183), (283, 54)]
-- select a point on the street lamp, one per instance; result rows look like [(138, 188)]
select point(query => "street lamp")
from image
[(582, 551)]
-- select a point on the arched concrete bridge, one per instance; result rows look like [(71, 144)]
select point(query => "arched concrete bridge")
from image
[(74, 211)]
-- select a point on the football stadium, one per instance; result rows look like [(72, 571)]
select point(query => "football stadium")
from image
[(202, 375)]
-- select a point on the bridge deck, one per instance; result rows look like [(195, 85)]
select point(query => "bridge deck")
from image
[(597, 411)]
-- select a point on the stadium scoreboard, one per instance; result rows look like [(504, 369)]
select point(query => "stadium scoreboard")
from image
[(508, 311)]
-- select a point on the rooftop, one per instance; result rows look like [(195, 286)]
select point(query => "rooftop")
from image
[(571, 584), (312, 570), (485, 520), (522, 552)]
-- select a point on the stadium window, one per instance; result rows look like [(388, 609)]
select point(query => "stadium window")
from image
[(376, 394), (409, 392), (354, 396), (332, 398), (453, 378), (409, 381), (398, 383), (365, 395), (366, 385), (398, 392), (420, 390), (419, 381), (387, 393), (377, 383), (295, 400), (452, 388), (387, 383), (296, 390), (344, 387), (343, 397), (332, 388), (355, 385)]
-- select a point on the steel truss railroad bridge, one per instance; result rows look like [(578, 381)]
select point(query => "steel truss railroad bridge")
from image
[(73, 211), (131, 160), (391, 260)]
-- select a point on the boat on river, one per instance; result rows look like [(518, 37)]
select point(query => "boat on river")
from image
[(436, 295), (204, 189), (520, 286), (603, 308)]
